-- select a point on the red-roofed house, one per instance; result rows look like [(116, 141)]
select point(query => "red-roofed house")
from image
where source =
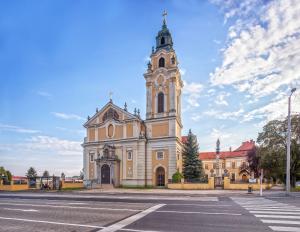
[(230, 161)]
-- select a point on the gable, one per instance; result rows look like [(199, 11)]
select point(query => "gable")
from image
[(110, 112)]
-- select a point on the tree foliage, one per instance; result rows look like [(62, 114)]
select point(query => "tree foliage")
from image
[(31, 173), (192, 165), (272, 149), (5, 174), (46, 173)]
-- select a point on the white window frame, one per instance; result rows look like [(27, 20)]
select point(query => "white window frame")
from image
[(129, 152), (163, 155)]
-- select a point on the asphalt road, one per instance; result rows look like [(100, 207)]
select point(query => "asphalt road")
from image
[(138, 213)]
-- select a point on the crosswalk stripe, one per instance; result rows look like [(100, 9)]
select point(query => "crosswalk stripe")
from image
[(272, 212), (281, 222), (279, 209), (276, 216), (284, 228)]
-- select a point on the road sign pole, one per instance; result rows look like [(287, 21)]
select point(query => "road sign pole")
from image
[(261, 179)]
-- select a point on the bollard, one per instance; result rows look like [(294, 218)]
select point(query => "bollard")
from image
[(249, 189)]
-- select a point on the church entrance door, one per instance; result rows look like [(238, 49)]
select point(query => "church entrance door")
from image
[(160, 177), (105, 174)]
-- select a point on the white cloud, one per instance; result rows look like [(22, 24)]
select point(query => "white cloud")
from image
[(262, 55), (44, 94), (192, 91), (219, 134), (36, 145), (220, 99), (67, 116), (5, 127), (182, 71), (265, 54), (224, 115), (274, 110)]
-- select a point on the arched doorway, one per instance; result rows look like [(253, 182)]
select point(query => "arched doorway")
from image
[(160, 177), (105, 174), (244, 178)]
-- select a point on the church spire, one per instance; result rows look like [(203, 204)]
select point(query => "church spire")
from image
[(164, 38)]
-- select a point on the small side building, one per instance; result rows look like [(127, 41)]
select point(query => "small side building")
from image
[(231, 163)]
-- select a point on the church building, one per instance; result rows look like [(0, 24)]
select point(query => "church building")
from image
[(121, 148)]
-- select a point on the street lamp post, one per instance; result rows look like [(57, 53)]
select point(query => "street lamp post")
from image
[(288, 150)]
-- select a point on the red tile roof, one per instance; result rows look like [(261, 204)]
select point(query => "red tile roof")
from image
[(246, 146), (223, 154), (239, 152), (19, 177)]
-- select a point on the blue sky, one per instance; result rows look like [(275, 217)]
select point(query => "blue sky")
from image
[(60, 59)]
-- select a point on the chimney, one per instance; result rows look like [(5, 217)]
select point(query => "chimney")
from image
[(230, 149)]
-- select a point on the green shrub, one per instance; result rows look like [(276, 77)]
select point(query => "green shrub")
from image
[(177, 176)]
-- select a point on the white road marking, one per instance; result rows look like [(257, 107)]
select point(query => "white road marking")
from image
[(50, 222), (272, 212), (73, 207), (277, 212), (202, 205), (279, 209), (187, 212), (127, 221), (281, 222), (277, 216), (77, 203), (24, 210), (143, 197), (284, 228)]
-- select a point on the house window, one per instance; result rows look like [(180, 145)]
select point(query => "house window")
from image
[(232, 176), (159, 155), (160, 102), (92, 157), (206, 166), (161, 62), (129, 155), (223, 165), (214, 166), (233, 165)]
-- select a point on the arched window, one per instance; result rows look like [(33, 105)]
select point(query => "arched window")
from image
[(161, 62), (160, 102), (162, 40)]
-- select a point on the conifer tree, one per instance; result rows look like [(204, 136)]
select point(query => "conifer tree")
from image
[(192, 165)]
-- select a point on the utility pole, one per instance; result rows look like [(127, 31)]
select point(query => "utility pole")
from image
[(288, 150)]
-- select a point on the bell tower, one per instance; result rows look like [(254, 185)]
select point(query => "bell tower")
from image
[(163, 110), (163, 79)]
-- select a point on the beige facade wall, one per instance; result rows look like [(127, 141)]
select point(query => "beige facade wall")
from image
[(160, 163), (92, 170), (118, 132), (129, 130), (160, 129), (231, 164), (91, 134), (102, 133)]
